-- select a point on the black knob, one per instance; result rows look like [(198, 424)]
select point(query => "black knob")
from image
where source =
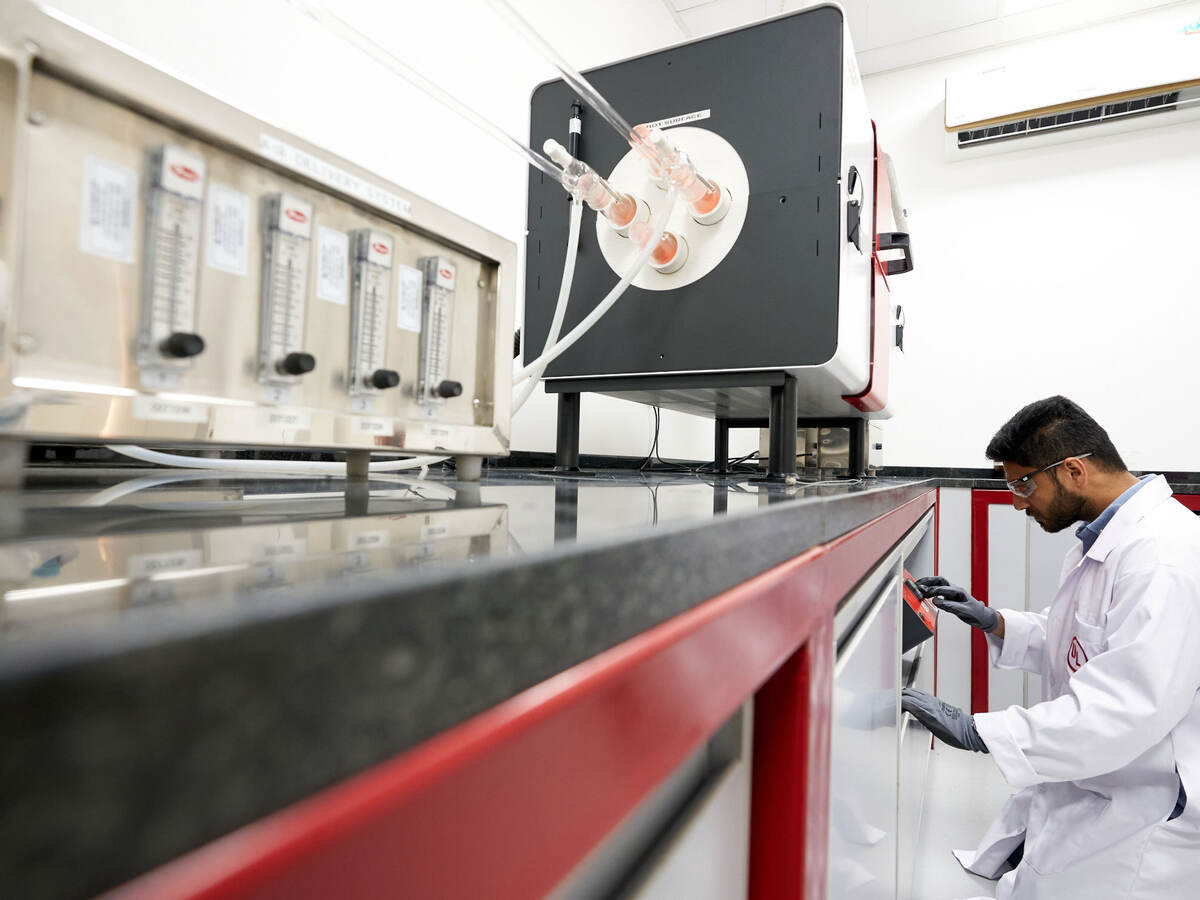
[(384, 379), (182, 344), (448, 389), (297, 364)]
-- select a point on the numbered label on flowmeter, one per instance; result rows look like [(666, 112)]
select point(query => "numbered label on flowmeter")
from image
[(370, 294), (434, 386), (174, 208), (286, 241)]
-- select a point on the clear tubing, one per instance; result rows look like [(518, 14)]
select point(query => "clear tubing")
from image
[(582, 181), (284, 466), (581, 85), (560, 310), (701, 194), (606, 304), (134, 485), (620, 209), (394, 64)]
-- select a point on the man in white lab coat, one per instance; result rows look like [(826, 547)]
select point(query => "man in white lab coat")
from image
[(1105, 766)]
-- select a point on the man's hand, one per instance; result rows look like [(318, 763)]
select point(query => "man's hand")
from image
[(949, 723), (957, 601)]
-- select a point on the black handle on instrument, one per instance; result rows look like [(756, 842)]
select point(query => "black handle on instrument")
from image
[(896, 240)]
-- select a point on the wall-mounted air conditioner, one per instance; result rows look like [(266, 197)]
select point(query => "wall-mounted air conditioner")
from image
[(1140, 84)]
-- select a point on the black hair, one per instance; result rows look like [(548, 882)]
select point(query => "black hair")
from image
[(1052, 429)]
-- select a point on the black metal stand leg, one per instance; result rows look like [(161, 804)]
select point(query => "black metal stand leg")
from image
[(357, 498), (566, 452), (859, 449), (566, 510), (721, 447), (781, 462)]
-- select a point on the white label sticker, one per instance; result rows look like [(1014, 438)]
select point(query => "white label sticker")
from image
[(367, 539), (408, 306), (285, 418), (281, 549), (158, 409), (227, 227), (108, 215), (300, 161), (333, 265), (433, 532), (371, 426), (696, 116), (146, 564)]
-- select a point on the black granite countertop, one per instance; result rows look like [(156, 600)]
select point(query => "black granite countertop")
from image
[(181, 654)]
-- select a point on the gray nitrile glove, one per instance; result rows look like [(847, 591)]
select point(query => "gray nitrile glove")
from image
[(949, 723), (957, 601)]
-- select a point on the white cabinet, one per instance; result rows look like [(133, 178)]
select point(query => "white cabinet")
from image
[(864, 751), (878, 758), (1021, 566), (1024, 565)]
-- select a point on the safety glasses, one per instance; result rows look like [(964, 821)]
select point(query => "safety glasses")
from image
[(1025, 486)]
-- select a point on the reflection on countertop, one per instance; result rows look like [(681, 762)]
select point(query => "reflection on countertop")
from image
[(81, 546)]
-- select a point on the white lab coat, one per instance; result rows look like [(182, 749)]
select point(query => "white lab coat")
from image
[(1096, 763)]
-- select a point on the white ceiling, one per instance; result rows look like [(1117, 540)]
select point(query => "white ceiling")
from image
[(889, 34)]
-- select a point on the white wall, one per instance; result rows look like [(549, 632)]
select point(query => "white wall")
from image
[(1066, 270), (1063, 270)]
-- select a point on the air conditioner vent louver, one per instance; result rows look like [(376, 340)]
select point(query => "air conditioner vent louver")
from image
[(1058, 120)]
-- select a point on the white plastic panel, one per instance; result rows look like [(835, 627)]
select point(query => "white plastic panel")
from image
[(707, 245), (954, 563), (863, 755), (1006, 589), (914, 768)]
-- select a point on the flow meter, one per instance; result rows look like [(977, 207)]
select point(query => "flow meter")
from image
[(433, 387), (286, 242), (371, 252), (174, 206)]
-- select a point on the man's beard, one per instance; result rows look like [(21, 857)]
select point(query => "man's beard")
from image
[(1066, 509)]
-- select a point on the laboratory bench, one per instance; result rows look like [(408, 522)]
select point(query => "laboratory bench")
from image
[(633, 683)]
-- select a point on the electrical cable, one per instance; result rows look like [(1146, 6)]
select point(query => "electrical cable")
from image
[(653, 444), (607, 303), (564, 294)]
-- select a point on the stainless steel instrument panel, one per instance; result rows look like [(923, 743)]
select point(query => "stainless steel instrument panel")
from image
[(179, 272)]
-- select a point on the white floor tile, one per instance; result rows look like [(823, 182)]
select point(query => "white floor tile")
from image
[(964, 792)]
